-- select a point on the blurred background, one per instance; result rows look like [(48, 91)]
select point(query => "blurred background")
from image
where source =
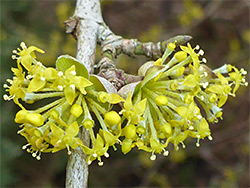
[(222, 30)]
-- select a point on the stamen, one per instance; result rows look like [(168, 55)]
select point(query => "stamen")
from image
[(72, 86), (5, 97), (191, 128), (10, 81), (73, 72), (60, 73), (210, 137), (106, 154), (39, 63), (42, 79), (39, 156), (25, 146), (14, 52), (23, 45), (243, 71), (204, 85), (100, 163), (29, 76), (201, 52), (153, 157), (34, 154), (204, 60), (60, 88), (165, 153), (6, 86)]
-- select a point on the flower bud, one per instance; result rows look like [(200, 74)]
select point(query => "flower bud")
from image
[(130, 131), (180, 56), (35, 119), (161, 100), (112, 118), (76, 110), (21, 116)]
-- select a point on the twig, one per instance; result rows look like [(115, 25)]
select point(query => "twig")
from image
[(88, 14)]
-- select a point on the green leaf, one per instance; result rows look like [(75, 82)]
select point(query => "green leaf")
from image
[(65, 61)]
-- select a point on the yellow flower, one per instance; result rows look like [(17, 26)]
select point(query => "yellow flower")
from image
[(72, 82), (26, 55), (61, 139), (133, 112), (98, 149)]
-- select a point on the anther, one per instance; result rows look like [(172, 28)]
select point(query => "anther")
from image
[(39, 63), (23, 45), (6, 86), (73, 72), (14, 52), (197, 47), (191, 128), (210, 137), (72, 86), (201, 52), (6, 97), (10, 81), (13, 57), (165, 153), (60, 88), (60, 73), (153, 157), (42, 79), (94, 155), (106, 154), (100, 163), (204, 60)]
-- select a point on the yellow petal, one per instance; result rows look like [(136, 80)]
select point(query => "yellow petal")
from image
[(73, 129), (128, 103), (36, 85), (114, 98)]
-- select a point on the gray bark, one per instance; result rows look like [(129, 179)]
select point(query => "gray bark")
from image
[(89, 14)]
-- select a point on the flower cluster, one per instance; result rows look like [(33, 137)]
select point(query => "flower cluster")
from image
[(169, 95), (72, 94), (159, 110)]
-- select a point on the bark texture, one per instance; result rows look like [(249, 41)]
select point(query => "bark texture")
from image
[(84, 24)]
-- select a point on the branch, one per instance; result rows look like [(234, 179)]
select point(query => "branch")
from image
[(113, 45), (83, 25)]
